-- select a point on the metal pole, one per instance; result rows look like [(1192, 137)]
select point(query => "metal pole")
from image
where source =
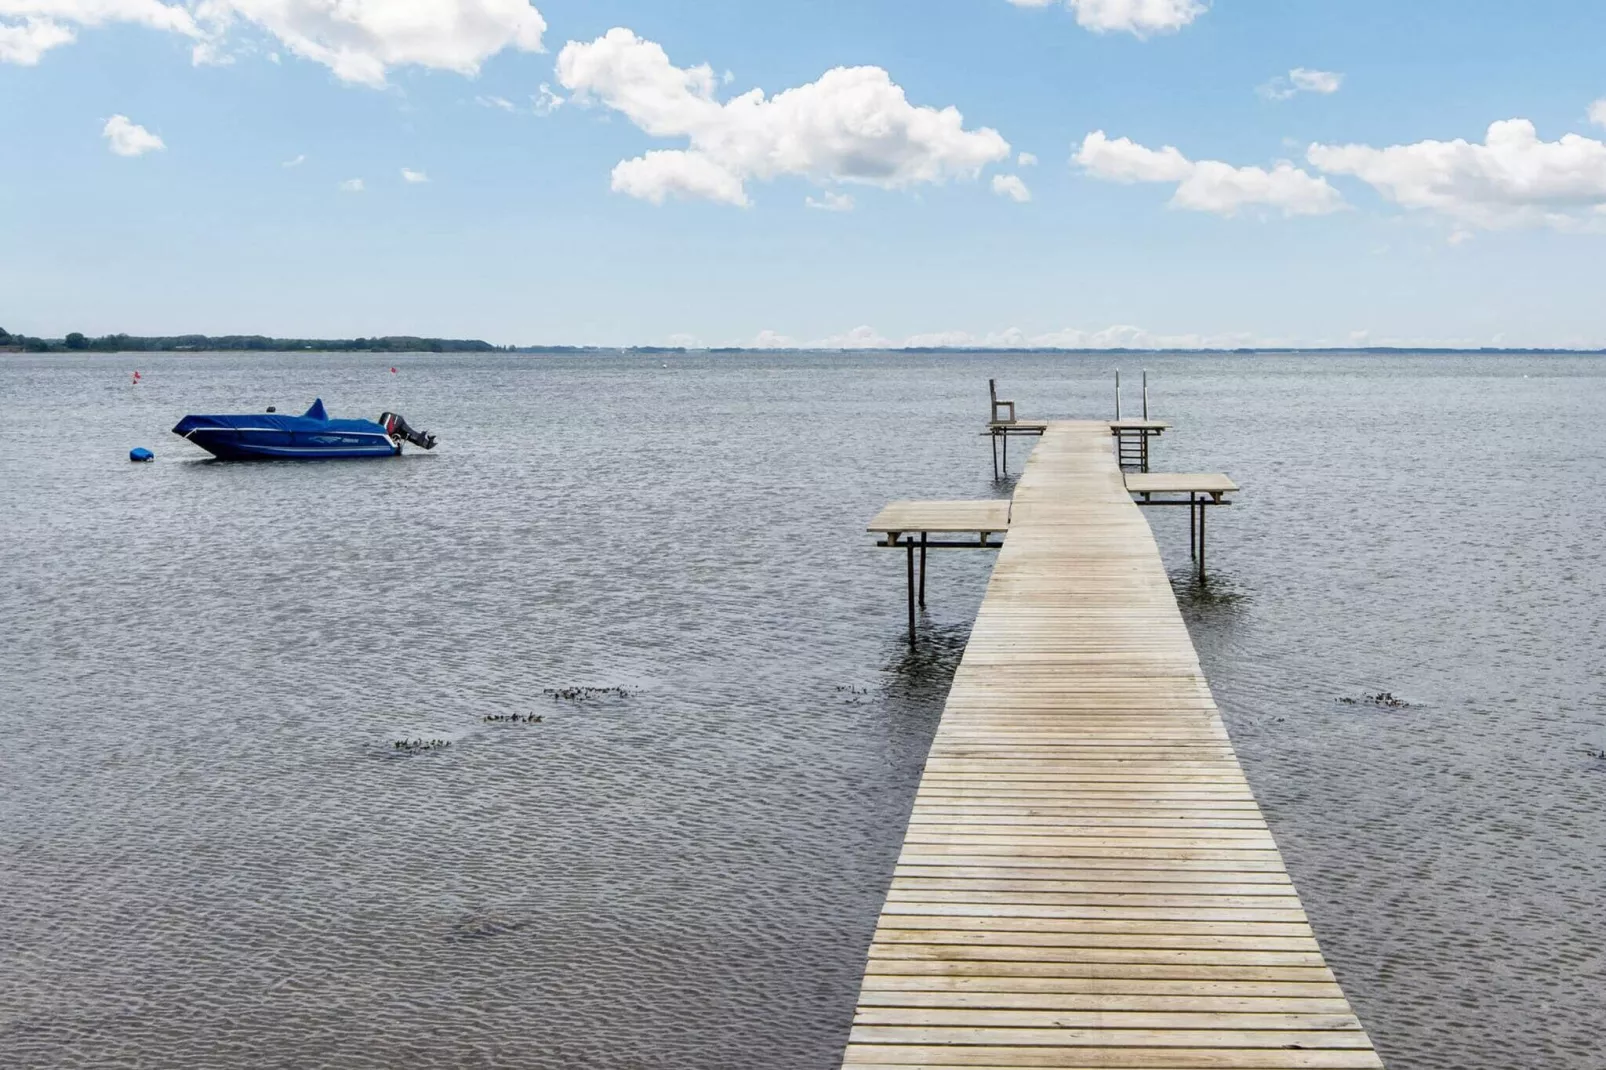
[(1145, 393), (1118, 393), (1203, 508), (994, 437), (922, 570), (1193, 527), (909, 553), (1006, 453)]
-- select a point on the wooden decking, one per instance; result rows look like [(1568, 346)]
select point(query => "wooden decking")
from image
[(1086, 881), (984, 515), (1212, 483)]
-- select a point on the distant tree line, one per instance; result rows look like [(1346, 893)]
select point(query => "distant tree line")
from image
[(130, 343)]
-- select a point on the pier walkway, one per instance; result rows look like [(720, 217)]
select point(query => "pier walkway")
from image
[(1086, 881)]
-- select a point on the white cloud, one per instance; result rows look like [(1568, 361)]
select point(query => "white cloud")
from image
[(1597, 112), (297, 162), (1310, 81), (1119, 336), (495, 102), (852, 125), (1139, 17), (1012, 187), (1128, 336), (831, 202), (413, 177), (1208, 185), (859, 338), (359, 41), (351, 185), (23, 43), (545, 101), (126, 138), (28, 28), (1026, 159), (1512, 179), (768, 339), (1301, 80), (665, 173)]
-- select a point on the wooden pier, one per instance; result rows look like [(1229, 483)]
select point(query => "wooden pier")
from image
[(1087, 881)]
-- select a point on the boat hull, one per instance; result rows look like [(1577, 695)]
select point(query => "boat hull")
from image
[(230, 444), (277, 436)]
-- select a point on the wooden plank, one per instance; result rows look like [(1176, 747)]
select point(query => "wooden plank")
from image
[(1103, 1038), (1086, 880), (867, 1056), (942, 517), (1179, 483)]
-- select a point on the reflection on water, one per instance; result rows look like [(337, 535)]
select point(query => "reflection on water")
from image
[(214, 855), (1217, 590), (924, 669)]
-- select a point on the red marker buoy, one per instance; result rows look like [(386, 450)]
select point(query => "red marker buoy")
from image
[(393, 371)]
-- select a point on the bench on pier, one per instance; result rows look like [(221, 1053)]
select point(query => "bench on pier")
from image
[(1002, 423)]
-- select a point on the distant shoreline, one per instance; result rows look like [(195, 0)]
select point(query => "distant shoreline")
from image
[(76, 342), (58, 347)]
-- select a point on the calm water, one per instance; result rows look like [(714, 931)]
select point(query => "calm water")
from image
[(212, 854)]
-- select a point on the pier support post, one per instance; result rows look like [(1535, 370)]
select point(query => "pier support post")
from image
[(909, 553), (1203, 509), (1006, 453), (1193, 526), (922, 570), (994, 437)]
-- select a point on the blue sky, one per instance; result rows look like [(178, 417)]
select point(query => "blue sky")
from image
[(529, 230)]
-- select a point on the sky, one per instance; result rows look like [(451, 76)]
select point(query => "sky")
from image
[(1078, 173)]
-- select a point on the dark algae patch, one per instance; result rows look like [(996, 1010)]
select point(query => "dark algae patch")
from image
[(583, 694), (414, 746), (1387, 700)]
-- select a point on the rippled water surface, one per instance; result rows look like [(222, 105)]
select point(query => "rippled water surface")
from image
[(213, 854)]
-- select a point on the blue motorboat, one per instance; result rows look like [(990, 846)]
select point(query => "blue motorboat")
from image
[(310, 436)]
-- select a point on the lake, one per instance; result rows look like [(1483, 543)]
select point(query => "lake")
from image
[(213, 852)]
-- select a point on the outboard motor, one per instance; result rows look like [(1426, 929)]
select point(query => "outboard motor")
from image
[(396, 427)]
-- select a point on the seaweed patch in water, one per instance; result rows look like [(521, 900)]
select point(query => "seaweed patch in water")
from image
[(419, 746), (581, 694), (512, 718), (1387, 700)]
